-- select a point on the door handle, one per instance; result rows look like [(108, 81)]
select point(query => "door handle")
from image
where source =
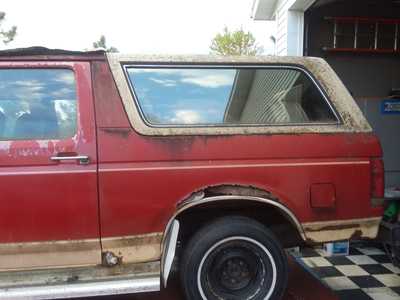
[(81, 159)]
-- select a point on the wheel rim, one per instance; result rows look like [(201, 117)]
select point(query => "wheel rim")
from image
[(236, 268)]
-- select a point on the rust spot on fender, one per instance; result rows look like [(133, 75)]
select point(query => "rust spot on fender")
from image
[(356, 235), (227, 189), (333, 227), (239, 190), (134, 249), (320, 232)]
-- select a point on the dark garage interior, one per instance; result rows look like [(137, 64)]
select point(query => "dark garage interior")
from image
[(366, 55)]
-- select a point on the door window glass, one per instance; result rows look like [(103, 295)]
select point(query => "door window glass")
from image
[(37, 104)]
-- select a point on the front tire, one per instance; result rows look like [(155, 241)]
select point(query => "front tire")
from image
[(233, 258)]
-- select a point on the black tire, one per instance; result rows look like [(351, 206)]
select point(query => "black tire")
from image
[(233, 258)]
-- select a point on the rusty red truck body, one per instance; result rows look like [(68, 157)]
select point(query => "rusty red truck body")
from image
[(120, 178)]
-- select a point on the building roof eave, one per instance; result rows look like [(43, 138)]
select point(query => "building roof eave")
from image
[(263, 10), (266, 9)]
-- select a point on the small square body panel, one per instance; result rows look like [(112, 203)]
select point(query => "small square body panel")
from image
[(322, 195)]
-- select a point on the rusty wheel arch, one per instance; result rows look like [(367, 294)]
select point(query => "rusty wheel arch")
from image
[(232, 192), (219, 194)]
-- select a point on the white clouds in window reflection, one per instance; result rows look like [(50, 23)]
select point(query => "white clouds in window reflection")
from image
[(186, 117), (21, 89), (66, 78), (210, 81), (164, 82), (65, 109), (19, 84), (48, 93), (200, 77), (182, 96)]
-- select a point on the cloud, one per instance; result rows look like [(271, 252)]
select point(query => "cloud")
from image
[(206, 78), (29, 95), (22, 90), (65, 109), (35, 89), (67, 77), (27, 83), (64, 93), (186, 117), (210, 81), (164, 82)]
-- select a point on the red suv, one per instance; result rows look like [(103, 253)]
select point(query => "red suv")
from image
[(116, 168)]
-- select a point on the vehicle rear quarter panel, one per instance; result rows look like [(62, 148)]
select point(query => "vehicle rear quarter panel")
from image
[(142, 178)]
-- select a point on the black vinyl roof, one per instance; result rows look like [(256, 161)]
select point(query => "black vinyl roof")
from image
[(32, 51)]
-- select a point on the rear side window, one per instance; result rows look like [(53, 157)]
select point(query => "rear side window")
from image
[(37, 104), (219, 96)]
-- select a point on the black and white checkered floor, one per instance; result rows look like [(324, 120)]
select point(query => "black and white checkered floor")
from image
[(366, 273)]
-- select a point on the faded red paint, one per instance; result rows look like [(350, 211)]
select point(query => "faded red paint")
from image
[(323, 195), (141, 178), (43, 200)]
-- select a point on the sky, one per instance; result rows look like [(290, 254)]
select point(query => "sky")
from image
[(182, 96), (132, 26)]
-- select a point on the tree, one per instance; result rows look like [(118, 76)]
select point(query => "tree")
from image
[(6, 36), (101, 43), (236, 42)]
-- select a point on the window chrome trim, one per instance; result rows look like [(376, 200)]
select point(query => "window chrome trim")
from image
[(301, 69)]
